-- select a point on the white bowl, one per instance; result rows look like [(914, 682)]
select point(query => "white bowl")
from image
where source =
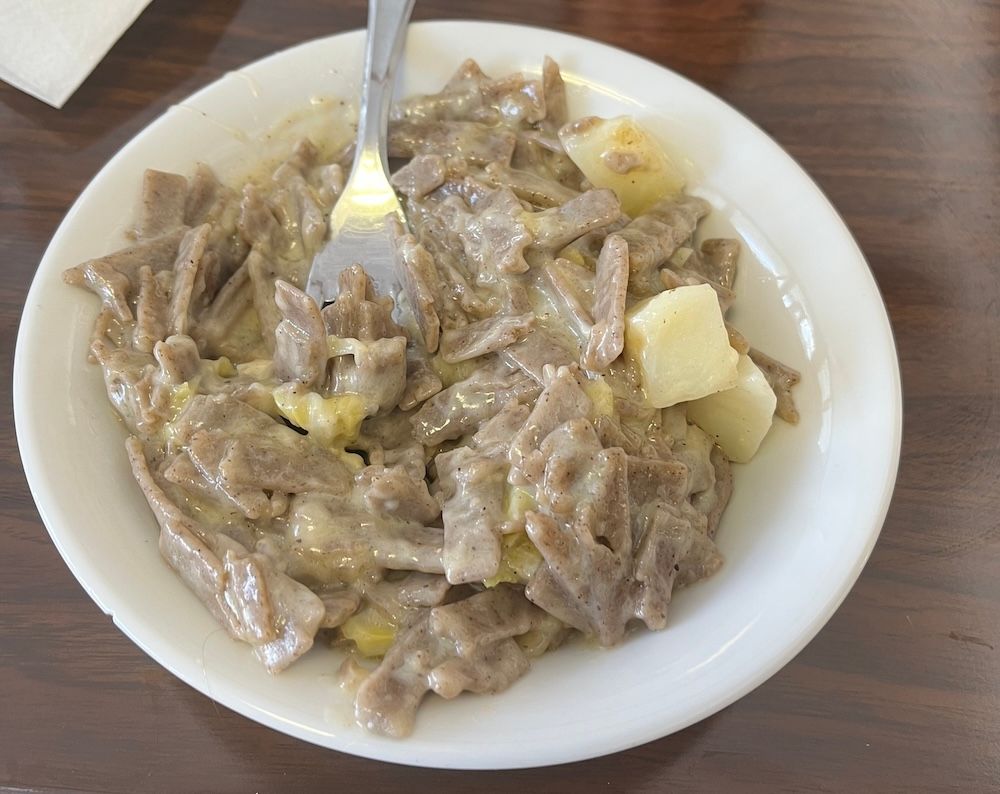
[(805, 514)]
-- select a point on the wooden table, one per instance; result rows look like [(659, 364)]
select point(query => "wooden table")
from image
[(893, 106)]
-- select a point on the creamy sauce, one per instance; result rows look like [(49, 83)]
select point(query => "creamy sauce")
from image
[(288, 484)]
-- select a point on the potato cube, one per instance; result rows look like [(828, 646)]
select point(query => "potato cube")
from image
[(678, 340), (738, 418), (619, 154)]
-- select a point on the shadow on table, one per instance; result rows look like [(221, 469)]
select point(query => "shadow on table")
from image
[(247, 753)]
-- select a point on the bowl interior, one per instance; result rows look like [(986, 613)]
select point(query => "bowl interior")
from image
[(793, 543)]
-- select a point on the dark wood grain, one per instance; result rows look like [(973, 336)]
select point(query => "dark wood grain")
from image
[(894, 108)]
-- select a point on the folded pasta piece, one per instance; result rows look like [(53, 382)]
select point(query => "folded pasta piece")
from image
[(217, 321), (259, 226), (615, 433), (422, 382), (358, 312), (602, 567), (472, 488), (282, 461), (497, 231), (554, 91), (528, 186), (264, 275), (419, 278), (458, 300), (472, 484), (152, 308), (655, 480), (424, 173), (495, 237), (542, 153), (607, 337), (395, 491), (569, 296), (115, 277), (330, 536), (186, 270), (667, 541), (485, 336), (517, 98), (494, 436), (718, 261), (299, 209), (709, 482), (211, 202), (208, 200), (653, 236), (467, 645), (375, 371), (470, 95), (463, 406), (163, 201), (542, 347), (461, 98), (392, 605), (782, 379), (553, 228), (178, 359), (300, 346), (420, 589), (569, 451), (584, 582), (478, 143), (246, 454), (340, 603), (141, 386), (562, 399), (128, 379), (246, 593), (303, 199)]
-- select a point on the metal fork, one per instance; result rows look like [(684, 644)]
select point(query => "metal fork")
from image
[(358, 230)]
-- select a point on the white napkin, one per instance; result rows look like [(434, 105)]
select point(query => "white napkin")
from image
[(48, 47)]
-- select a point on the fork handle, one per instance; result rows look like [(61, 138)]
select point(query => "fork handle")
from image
[(387, 20)]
